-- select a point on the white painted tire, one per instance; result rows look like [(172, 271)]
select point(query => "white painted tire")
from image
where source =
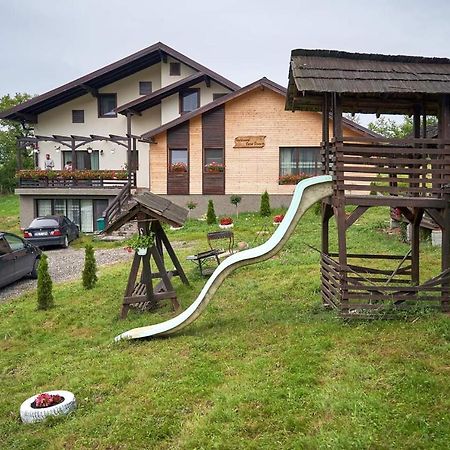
[(28, 414)]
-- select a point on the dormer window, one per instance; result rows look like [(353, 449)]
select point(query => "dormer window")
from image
[(189, 100), (107, 103), (175, 69)]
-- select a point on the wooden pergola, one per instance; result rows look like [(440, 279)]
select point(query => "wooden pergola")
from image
[(412, 175), (74, 142), (149, 211)]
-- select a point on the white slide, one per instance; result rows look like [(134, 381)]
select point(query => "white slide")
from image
[(307, 192)]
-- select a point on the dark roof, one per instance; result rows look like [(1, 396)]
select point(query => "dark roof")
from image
[(263, 82), (104, 76), (147, 101), (154, 206), (315, 72)]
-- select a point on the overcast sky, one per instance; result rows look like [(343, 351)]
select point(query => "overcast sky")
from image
[(45, 43)]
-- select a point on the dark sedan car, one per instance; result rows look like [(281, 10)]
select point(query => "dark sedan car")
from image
[(17, 258), (51, 231)]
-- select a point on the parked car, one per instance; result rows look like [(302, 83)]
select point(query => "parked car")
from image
[(17, 258), (49, 231)]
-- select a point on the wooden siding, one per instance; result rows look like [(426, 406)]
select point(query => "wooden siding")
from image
[(178, 138), (248, 170), (213, 136), (254, 170)]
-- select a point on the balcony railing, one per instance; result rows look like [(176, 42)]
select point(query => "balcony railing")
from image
[(408, 167), (72, 179)]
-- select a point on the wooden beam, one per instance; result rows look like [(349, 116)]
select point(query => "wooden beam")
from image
[(436, 216), (30, 118), (415, 246), (90, 90), (207, 81), (355, 215)]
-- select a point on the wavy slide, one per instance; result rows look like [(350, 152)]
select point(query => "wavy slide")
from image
[(306, 193)]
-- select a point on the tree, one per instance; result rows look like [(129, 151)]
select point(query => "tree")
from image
[(390, 128), (44, 285), (235, 200), (90, 268), (211, 214), (9, 131), (264, 209)]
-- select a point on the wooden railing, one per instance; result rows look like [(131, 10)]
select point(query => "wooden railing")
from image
[(407, 167), (118, 205)]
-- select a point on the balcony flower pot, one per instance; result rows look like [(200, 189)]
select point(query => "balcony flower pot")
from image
[(51, 403)]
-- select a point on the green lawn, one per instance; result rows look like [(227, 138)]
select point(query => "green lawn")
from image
[(264, 367), (9, 213)]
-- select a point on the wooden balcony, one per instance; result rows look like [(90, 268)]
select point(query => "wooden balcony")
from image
[(390, 172), (83, 179)]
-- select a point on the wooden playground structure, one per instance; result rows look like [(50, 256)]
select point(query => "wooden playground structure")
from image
[(412, 175), (150, 211)]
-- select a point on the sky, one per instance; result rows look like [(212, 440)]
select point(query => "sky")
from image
[(46, 43)]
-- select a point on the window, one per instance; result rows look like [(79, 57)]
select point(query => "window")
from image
[(77, 115), (145, 87), (298, 160), (189, 100), (83, 212), (214, 160), (174, 69), (178, 160), (107, 103), (14, 242), (85, 160), (216, 96)]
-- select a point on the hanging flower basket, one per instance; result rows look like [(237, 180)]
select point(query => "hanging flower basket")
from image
[(142, 251), (140, 243), (51, 403)]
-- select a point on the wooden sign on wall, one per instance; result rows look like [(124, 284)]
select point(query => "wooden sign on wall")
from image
[(249, 141)]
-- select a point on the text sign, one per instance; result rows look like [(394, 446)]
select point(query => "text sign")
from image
[(249, 141)]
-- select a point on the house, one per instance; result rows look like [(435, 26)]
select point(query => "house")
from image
[(158, 120), (79, 122)]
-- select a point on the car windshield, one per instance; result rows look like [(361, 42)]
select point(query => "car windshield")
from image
[(38, 223)]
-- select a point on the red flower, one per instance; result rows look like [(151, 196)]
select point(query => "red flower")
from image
[(226, 221), (45, 400), (278, 218)]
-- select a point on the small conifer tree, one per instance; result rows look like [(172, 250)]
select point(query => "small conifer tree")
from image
[(211, 214), (90, 268), (44, 285), (264, 209)]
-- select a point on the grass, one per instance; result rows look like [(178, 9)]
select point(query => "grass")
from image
[(264, 367), (9, 213)]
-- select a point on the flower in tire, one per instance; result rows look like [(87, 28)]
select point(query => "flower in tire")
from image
[(51, 403)]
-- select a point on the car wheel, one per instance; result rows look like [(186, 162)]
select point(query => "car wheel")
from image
[(66, 241), (34, 272)]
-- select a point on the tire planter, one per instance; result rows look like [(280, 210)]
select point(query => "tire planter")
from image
[(225, 227), (28, 414)]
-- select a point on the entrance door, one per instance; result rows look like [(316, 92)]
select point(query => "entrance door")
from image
[(99, 208)]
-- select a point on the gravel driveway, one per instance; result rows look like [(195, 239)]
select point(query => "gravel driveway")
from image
[(65, 264)]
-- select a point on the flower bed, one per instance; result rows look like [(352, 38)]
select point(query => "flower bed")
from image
[(72, 174)]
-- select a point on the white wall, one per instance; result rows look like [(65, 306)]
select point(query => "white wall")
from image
[(167, 79)]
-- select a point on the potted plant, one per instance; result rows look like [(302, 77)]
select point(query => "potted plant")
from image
[(292, 179), (179, 167), (191, 206), (141, 243), (278, 219), (51, 403), (176, 227), (235, 200), (226, 222), (214, 167)]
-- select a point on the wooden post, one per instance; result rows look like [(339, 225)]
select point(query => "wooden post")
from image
[(415, 246), (74, 155), (129, 146), (19, 155), (326, 133)]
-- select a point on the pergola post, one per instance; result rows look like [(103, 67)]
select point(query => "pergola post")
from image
[(74, 155), (129, 146)]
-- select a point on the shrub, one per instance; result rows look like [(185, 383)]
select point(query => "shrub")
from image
[(235, 200), (264, 209), (90, 268), (211, 214), (44, 285)]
